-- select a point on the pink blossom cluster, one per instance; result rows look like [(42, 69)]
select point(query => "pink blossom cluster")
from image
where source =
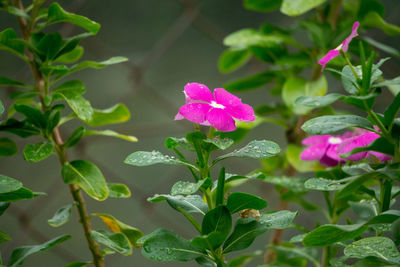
[(218, 109), (344, 46), (329, 149)]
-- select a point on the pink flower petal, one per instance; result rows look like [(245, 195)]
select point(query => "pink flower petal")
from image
[(195, 112), (315, 152), (199, 92), (382, 157), (346, 42), (329, 56), (327, 161), (316, 139), (355, 142), (178, 116), (221, 120), (332, 152), (242, 112), (225, 98)]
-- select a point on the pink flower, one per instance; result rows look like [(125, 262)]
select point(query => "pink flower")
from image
[(361, 138), (217, 110), (343, 46), (322, 148)]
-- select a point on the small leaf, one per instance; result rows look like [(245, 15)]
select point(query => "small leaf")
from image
[(379, 247), (19, 254), (322, 184), (232, 59), (116, 241), (373, 19), (4, 237), (57, 14), (61, 216), (165, 245), (173, 142), (49, 46), (7, 147), (20, 194), (70, 57), (87, 176), (111, 133), (5, 81), (392, 110), (190, 203), (296, 87), (33, 115), (239, 201), (3, 207), (20, 128), (262, 6), (295, 184), (220, 143), (188, 188), (334, 123), (38, 152), (251, 37), (217, 220), (78, 104), (298, 7), (116, 114), (9, 41), (318, 101), (118, 190), (75, 137), (210, 241), (143, 158), (78, 264), (116, 226), (255, 149), (8, 184)]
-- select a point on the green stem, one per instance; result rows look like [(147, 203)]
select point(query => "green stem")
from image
[(182, 157), (346, 57), (190, 218)]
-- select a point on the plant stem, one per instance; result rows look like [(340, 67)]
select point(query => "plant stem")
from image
[(334, 13), (190, 218), (40, 83)]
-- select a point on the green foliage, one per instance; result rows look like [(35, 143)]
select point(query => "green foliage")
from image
[(239, 201), (295, 8), (116, 241), (61, 216)]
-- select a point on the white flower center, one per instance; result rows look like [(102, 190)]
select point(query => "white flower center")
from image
[(334, 140), (216, 105)]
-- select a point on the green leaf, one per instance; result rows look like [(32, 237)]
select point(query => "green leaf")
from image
[(70, 57), (20, 128), (118, 190), (116, 226), (173, 142), (165, 245), (17, 12), (255, 149), (293, 157), (239, 201), (298, 7), (38, 152), (392, 110), (296, 87), (295, 184), (262, 6), (9, 41), (111, 133), (217, 220), (322, 184), (5, 81), (19, 254), (7, 147), (334, 123), (356, 182), (116, 241), (20, 194), (116, 114), (78, 264), (87, 176), (295, 252), (4, 237), (190, 203), (8, 184), (373, 19), (250, 82), (49, 46), (3, 207), (221, 143), (75, 137), (71, 92), (251, 37), (246, 230), (61, 216), (318, 101), (57, 14), (188, 188), (33, 115), (379, 247), (210, 241), (232, 59), (143, 158)]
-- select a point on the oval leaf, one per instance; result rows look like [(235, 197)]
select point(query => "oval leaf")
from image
[(334, 123), (143, 158), (116, 241), (118, 190), (8, 184), (239, 201), (61, 216), (217, 220), (298, 7), (38, 152), (87, 176), (190, 203)]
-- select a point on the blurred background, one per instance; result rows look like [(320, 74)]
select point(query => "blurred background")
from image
[(169, 43)]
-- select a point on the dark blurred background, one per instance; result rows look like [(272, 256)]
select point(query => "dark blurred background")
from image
[(168, 43)]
